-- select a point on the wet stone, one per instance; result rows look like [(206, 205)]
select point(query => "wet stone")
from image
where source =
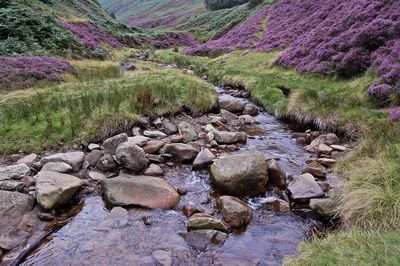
[(106, 163), (201, 239), (200, 221)]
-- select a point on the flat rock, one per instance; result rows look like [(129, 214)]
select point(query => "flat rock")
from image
[(236, 212), (74, 159), (138, 140), (153, 146), (326, 161), (96, 176), (228, 115), (203, 159), (132, 157), (12, 185), (305, 187), (29, 159), (17, 171), (241, 174), (201, 221), (324, 149), (145, 191), (339, 148), (55, 189), (93, 146), (154, 134), (110, 145), (163, 257), (14, 204), (59, 167), (234, 106), (181, 152), (247, 119)]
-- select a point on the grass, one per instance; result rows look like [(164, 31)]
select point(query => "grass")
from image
[(370, 198), (90, 108)]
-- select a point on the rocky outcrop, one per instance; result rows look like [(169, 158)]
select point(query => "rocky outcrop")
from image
[(132, 157), (74, 159), (242, 174), (55, 189), (144, 191), (236, 212)]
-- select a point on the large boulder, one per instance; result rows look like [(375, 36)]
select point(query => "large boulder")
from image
[(234, 106), (304, 187), (144, 191), (55, 189), (14, 171), (236, 212), (187, 131), (201, 221), (277, 176), (203, 159), (110, 145), (241, 174), (14, 204), (181, 152), (74, 158), (132, 157)]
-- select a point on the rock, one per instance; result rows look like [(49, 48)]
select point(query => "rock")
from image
[(29, 181), (217, 122), (187, 131), (324, 149), (12, 185), (55, 189), (339, 148), (241, 137), (181, 152), (93, 157), (203, 159), (276, 175), (234, 106), (169, 128), (132, 157), (324, 207), (29, 159), (326, 161), (145, 191), (74, 159), (177, 139), (236, 213), (305, 187), (14, 171), (315, 169), (138, 140), (224, 137), (154, 134), (47, 217), (110, 145), (127, 66), (328, 139), (14, 204), (189, 209), (200, 239), (228, 115), (106, 163), (155, 158), (250, 110), (242, 174), (154, 170), (93, 146), (201, 221), (96, 176), (279, 205), (247, 119), (163, 257), (136, 131), (153, 146), (59, 167)]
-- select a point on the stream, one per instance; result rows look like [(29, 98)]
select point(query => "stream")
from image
[(96, 236)]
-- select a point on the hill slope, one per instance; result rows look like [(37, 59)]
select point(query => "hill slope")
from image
[(153, 13)]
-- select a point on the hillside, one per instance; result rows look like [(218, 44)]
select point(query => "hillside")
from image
[(154, 13)]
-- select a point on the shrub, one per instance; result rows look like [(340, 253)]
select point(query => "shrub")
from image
[(221, 4), (24, 71)]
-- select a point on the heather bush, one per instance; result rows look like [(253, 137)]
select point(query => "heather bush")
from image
[(394, 114), (23, 71)]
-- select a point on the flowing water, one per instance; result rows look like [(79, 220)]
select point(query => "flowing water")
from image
[(137, 237)]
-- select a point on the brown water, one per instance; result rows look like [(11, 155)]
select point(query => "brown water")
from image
[(96, 237)]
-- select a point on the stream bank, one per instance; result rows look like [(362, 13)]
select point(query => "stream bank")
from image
[(143, 236)]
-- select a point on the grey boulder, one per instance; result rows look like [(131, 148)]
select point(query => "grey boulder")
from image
[(74, 159), (132, 157)]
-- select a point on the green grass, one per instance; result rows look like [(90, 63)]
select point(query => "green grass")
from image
[(370, 198), (354, 248), (38, 118)]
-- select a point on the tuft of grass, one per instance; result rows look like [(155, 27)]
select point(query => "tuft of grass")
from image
[(352, 248), (89, 70)]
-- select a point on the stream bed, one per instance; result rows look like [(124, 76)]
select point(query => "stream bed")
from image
[(96, 236)]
